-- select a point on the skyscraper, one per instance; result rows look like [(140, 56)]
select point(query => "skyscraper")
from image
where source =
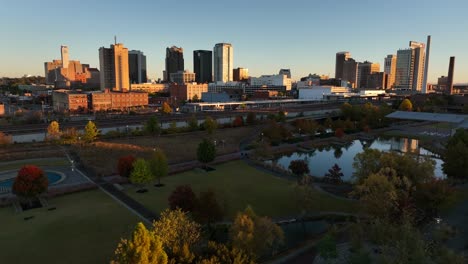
[(174, 61), (223, 62), (137, 66), (341, 57), (364, 70), (241, 74), (410, 67), (114, 68), (426, 66), (203, 66), (64, 53), (285, 72), (350, 71), (449, 89), (390, 69)]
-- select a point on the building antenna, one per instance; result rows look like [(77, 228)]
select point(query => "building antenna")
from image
[(115, 39)]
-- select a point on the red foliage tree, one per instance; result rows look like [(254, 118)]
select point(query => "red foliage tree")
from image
[(184, 198), (339, 132), (239, 121), (30, 182), (125, 165)]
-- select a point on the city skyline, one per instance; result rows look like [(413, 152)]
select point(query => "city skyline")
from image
[(259, 46)]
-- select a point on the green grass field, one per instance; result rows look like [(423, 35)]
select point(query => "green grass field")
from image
[(85, 228), (13, 165), (239, 185)]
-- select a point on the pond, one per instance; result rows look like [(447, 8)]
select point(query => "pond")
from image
[(320, 160), (53, 176)]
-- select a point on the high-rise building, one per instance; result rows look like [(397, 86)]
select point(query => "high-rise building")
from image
[(410, 67), (137, 66), (350, 71), (203, 66), (241, 74), (377, 80), (426, 66), (390, 70), (182, 77), (364, 70), (285, 72), (341, 57), (223, 62), (174, 62), (114, 68), (64, 53), (450, 76), (272, 80)]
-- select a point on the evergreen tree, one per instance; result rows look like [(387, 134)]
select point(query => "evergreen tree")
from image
[(91, 132)]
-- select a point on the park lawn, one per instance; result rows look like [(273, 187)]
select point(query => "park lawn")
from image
[(13, 165), (85, 228), (239, 185)]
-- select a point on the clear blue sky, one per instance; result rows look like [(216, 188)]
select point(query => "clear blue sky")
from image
[(267, 35)]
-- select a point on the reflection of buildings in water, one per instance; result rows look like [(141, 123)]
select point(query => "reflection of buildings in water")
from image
[(405, 145)]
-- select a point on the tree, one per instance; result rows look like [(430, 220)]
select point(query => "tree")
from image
[(195, 98), (193, 123), (417, 169), (159, 166), (125, 165), (238, 122), (91, 132), (222, 254), (166, 108), (328, 123), (299, 168), (152, 126), (378, 194), (69, 136), (210, 125), (406, 105), (281, 117), (144, 247), (262, 150), (184, 198), (141, 173), (206, 152), (339, 132), (53, 131), (30, 182), (257, 236), (456, 156), (208, 209), (334, 175), (178, 235), (251, 118), (432, 195), (347, 110)]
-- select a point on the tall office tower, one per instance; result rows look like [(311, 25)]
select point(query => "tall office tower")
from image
[(64, 52), (419, 64), (285, 72), (223, 62), (364, 70), (341, 57), (174, 61), (426, 66), (390, 69), (410, 67), (241, 74), (137, 66), (350, 71), (450, 76), (203, 66), (114, 68)]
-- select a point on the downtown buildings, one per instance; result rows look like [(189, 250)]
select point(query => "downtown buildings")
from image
[(203, 66), (223, 61), (137, 67), (174, 62), (410, 67), (114, 68)]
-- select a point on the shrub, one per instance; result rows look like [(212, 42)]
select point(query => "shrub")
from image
[(30, 182), (184, 198), (125, 165)]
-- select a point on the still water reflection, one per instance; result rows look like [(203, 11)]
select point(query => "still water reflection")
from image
[(320, 160)]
